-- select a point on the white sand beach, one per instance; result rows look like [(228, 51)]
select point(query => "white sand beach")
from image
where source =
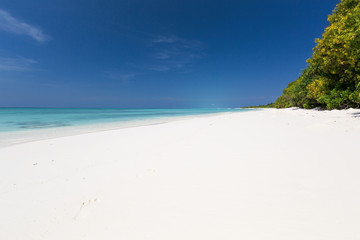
[(267, 174)]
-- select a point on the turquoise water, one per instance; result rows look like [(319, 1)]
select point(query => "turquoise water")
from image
[(20, 119)]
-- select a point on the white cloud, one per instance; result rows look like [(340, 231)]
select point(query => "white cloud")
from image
[(174, 53), (19, 64), (12, 25)]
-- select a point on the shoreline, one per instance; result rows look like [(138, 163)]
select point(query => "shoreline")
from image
[(26, 136), (270, 174)]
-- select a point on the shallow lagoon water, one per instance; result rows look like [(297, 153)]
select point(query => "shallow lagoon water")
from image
[(19, 125), (20, 119)]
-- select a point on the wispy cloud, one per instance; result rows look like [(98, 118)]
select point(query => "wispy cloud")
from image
[(174, 53), (18, 64), (122, 77), (10, 24), (166, 39), (158, 68), (162, 55), (178, 42)]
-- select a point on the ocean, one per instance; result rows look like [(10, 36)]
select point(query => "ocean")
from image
[(22, 119), (19, 125)]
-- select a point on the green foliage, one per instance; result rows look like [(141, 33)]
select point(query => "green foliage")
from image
[(270, 105), (332, 78)]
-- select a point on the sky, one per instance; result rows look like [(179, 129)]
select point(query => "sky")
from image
[(154, 53)]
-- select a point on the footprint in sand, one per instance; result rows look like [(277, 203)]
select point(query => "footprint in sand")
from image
[(85, 209)]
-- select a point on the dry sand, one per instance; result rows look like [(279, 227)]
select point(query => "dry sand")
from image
[(268, 174)]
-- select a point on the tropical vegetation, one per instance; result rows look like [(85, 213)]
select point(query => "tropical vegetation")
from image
[(332, 77)]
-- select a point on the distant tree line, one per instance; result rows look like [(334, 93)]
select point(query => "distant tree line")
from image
[(332, 77)]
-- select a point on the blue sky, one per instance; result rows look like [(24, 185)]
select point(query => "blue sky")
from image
[(154, 53)]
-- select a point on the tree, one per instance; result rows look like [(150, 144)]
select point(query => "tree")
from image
[(332, 78)]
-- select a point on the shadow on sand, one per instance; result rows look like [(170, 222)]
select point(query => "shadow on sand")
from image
[(357, 114)]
